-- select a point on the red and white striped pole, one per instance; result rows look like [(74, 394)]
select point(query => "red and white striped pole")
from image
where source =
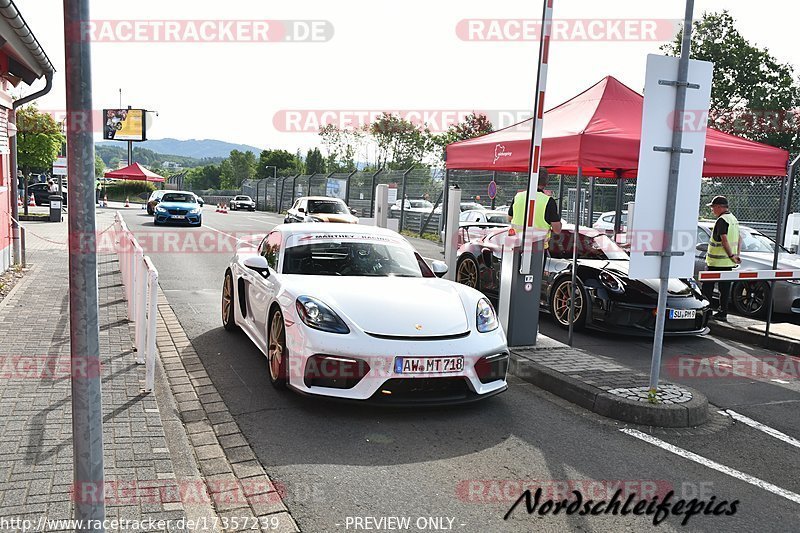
[(733, 275), (536, 137)]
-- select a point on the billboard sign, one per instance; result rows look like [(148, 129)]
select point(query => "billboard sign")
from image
[(124, 125)]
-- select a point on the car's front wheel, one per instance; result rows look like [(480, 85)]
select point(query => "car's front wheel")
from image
[(560, 298), (750, 298), (467, 272), (228, 318), (276, 351)]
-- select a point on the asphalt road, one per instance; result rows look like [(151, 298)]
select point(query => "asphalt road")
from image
[(344, 462)]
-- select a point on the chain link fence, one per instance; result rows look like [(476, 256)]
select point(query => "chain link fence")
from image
[(754, 200)]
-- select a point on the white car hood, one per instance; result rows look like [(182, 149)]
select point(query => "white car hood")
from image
[(764, 260), (396, 306)]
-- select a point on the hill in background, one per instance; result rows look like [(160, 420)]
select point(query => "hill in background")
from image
[(192, 148)]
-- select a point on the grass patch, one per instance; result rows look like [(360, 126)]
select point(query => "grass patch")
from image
[(427, 236)]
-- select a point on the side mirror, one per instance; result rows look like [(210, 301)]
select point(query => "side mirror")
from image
[(353, 212), (439, 268), (702, 247), (487, 256), (301, 210), (257, 263)]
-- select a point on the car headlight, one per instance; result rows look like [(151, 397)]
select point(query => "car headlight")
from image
[(317, 315), (611, 282), (161, 209), (486, 318), (194, 210)]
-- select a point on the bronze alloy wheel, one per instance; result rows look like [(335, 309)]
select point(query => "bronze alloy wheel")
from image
[(228, 319), (560, 303), (276, 351), (467, 273)]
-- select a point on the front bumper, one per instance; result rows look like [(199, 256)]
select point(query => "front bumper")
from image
[(166, 218), (381, 383), (634, 319)]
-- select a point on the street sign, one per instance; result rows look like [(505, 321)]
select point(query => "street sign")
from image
[(647, 232), (492, 189), (60, 167)]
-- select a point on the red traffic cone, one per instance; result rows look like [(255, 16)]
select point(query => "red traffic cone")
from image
[(19, 202), (32, 201), (224, 208), (105, 200), (218, 209), (127, 203)]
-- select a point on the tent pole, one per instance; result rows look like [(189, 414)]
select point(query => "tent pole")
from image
[(560, 193), (781, 224), (575, 236), (620, 197), (590, 218)]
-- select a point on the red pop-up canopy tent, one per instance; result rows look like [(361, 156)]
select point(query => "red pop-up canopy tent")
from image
[(134, 172), (598, 131)]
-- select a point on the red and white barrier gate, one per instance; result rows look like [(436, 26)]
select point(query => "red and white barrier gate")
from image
[(734, 275)]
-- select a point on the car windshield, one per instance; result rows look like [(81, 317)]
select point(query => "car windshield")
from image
[(178, 198), (328, 207), (589, 247), (421, 204), (757, 242), (244, 198), (348, 258), (497, 218)]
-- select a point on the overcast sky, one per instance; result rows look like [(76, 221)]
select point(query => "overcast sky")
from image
[(382, 55)]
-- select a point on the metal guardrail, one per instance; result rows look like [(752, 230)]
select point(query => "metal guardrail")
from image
[(140, 280)]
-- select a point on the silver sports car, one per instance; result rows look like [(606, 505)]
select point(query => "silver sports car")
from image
[(749, 298)]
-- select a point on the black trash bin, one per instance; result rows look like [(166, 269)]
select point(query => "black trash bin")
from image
[(55, 207)]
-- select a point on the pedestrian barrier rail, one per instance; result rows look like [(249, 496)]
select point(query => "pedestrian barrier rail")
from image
[(140, 280), (734, 275)]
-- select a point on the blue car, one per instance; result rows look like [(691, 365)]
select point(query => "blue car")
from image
[(178, 206)]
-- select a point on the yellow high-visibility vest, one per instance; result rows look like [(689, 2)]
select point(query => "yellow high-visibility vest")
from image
[(716, 255), (540, 205)]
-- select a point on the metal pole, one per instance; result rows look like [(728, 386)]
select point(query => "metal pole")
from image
[(258, 183), (294, 187), (561, 193), (372, 194), (277, 196), (618, 207), (789, 203), (590, 220), (494, 179), (308, 192), (781, 226), (87, 412), (403, 201), (347, 188), (15, 238), (575, 237), (672, 190)]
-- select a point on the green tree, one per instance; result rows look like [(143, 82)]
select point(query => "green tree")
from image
[(401, 144), (473, 125), (39, 140), (315, 163), (284, 162), (202, 178), (99, 166), (238, 167), (753, 95), (342, 145)]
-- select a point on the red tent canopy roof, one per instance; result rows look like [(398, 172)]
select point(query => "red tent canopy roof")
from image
[(134, 172), (599, 130)]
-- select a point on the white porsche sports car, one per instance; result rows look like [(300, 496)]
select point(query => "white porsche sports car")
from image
[(349, 311)]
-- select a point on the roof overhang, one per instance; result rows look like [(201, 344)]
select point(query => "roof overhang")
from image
[(27, 59)]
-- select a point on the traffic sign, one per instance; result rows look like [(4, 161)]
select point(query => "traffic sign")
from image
[(492, 189), (60, 167)]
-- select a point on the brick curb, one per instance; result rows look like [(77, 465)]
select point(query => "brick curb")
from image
[(690, 414), (237, 483), (777, 343)]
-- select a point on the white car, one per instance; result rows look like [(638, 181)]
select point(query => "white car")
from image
[(354, 312), (606, 221), (242, 202)]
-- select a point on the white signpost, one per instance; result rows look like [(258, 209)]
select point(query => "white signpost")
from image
[(60, 167), (647, 234)]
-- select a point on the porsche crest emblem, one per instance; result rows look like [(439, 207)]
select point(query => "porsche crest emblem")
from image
[(418, 326)]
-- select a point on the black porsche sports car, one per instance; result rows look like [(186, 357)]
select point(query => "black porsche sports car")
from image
[(605, 299)]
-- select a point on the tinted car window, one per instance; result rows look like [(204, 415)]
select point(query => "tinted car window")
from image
[(179, 197), (271, 249), (345, 258), (329, 207), (594, 247)]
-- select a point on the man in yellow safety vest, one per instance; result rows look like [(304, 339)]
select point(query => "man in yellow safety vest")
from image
[(545, 210), (723, 253)]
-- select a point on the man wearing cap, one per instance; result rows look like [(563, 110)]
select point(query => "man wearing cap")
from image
[(723, 252), (545, 209)]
